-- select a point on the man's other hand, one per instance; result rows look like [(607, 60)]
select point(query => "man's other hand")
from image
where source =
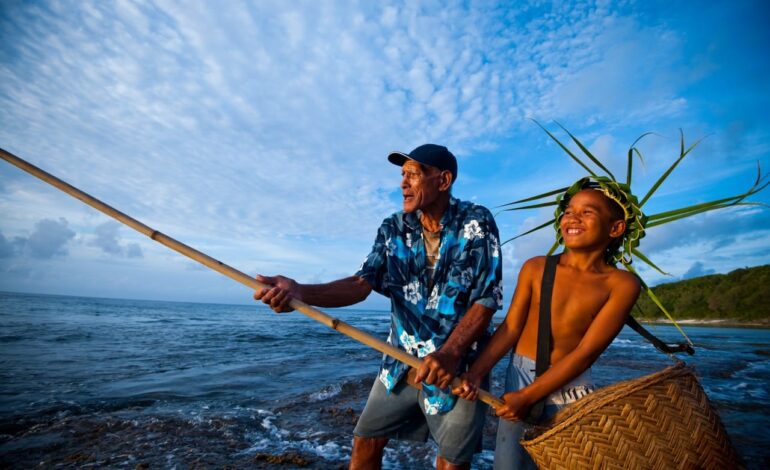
[(437, 369), (280, 292)]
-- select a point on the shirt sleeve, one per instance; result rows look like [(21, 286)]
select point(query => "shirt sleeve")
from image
[(486, 288), (373, 269)]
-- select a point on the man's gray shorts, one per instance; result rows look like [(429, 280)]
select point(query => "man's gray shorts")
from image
[(400, 415)]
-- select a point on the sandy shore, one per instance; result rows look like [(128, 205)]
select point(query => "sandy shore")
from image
[(720, 322)]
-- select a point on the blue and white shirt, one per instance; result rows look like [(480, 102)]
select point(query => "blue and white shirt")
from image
[(468, 270)]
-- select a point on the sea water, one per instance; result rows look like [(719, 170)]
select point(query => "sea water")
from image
[(104, 383)]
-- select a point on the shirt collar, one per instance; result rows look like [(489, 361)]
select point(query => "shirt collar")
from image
[(412, 219)]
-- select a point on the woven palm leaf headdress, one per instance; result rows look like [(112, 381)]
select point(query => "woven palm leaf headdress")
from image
[(626, 247)]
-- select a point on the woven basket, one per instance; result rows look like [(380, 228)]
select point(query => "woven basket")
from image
[(662, 420)]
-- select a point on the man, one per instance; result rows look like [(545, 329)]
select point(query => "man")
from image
[(438, 261), (590, 302)]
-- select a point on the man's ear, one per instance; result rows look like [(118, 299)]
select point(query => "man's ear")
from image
[(617, 228), (446, 180)]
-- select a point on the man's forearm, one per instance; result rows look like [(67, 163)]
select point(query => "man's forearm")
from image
[(339, 293), (469, 329)]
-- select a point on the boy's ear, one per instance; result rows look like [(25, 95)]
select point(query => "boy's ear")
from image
[(618, 228)]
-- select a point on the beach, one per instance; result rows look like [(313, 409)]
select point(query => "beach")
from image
[(95, 383), (718, 322)]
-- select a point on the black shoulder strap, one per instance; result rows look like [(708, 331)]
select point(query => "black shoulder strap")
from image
[(660, 345), (542, 360), (544, 323)]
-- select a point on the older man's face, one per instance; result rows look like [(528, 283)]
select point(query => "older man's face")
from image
[(419, 185)]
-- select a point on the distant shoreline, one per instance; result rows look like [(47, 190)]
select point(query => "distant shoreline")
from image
[(716, 322)]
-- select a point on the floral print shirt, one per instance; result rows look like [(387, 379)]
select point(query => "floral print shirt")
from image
[(468, 271)]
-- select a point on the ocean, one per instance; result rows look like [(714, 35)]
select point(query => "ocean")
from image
[(105, 383)]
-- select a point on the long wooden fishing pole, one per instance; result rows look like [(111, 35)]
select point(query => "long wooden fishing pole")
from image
[(232, 273)]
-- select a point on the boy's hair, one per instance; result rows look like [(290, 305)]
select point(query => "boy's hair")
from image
[(622, 205)]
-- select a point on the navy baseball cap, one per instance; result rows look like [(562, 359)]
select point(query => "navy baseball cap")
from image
[(433, 155)]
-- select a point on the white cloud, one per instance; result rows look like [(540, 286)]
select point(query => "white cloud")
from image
[(49, 239), (259, 130)]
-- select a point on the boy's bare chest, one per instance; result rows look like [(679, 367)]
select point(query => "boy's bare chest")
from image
[(577, 299)]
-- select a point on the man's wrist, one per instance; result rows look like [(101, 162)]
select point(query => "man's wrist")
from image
[(450, 352), (299, 290)]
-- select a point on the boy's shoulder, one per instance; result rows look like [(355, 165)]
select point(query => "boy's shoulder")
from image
[(622, 279), (616, 277), (534, 265)]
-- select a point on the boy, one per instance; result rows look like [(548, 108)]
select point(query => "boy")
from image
[(590, 301)]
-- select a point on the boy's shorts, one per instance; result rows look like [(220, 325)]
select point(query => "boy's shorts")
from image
[(400, 415), (521, 372)]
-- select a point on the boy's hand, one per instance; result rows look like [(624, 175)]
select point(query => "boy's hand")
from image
[(469, 389), (516, 406), (437, 369)]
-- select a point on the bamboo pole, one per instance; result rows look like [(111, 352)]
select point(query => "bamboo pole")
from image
[(228, 271)]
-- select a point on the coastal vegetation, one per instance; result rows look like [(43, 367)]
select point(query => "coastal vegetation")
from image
[(741, 295)]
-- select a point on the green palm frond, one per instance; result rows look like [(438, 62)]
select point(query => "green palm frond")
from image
[(553, 248), (631, 150), (690, 214), (676, 214), (658, 303), (644, 258), (550, 222), (682, 153), (588, 154), (531, 206), (539, 196), (572, 155), (697, 209)]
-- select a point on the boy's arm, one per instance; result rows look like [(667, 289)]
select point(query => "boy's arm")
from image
[(506, 336), (605, 326)]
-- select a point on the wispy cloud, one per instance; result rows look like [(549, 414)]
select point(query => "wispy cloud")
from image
[(258, 131)]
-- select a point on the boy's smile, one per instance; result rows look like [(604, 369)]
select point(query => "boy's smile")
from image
[(573, 231)]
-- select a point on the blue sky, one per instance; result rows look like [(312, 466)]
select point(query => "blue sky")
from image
[(257, 132)]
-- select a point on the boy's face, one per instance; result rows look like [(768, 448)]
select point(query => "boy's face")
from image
[(588, 223)]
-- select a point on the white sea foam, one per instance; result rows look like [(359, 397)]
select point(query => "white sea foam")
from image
[(753, 369), (485, 458), (393, 456), (325, 393), (275, 439), (630, 343), (328, 450)]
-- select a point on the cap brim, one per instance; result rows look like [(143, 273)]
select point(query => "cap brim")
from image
[(398, 158)]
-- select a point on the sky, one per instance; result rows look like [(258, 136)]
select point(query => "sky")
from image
[(257, 132)]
